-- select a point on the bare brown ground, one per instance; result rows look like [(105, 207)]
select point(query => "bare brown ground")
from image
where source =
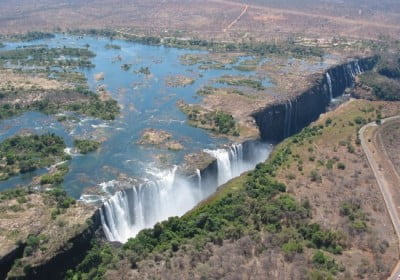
[(390, 138), (384, 171), (356, 182), (208, 18), (33, 217)]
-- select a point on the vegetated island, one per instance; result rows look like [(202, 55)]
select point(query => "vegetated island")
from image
[(85, 146), (178, 81), (26, 153), (159, 138), (43, 79)]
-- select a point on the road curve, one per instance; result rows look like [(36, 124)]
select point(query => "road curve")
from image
[(388, 180)]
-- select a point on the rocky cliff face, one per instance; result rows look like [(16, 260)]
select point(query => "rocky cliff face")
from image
[(7, 261), (278, 121), (64, 240), (68, 256)]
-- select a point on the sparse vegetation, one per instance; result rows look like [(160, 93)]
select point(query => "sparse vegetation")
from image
[(357, 218), (112, 46), (383, 80), (383, 87), (216, 121), (47, 57), (144, 70), (30, 36), (241, 81)]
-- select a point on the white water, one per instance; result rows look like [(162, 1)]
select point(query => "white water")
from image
[(199, 183), (288, 118), (138, 207), (358, 68), (328, 78), (230, 162)]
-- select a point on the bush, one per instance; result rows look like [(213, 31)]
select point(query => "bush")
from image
[(53, 179), (315, 177), (86, 146), (224, 122), (341, 166)]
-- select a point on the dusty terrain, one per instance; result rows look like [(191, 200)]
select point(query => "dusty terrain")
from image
[(31, 215), (390, 137), (218, 19), (388, 179)]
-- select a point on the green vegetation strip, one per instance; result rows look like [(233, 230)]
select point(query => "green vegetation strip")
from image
[(241, 81), (253, 47), (48, 57), (215, 121)]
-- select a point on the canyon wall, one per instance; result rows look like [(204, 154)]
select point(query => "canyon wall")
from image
[(281, 120)]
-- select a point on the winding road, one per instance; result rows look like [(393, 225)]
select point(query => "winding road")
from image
[(386, 176)]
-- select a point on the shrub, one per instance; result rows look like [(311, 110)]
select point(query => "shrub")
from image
[(341, 166), (86, 146), (315, 177)]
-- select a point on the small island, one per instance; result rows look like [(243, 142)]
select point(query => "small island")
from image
[(178, 81), (159, 138), (86, 146)]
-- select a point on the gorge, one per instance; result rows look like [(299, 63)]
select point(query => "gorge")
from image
[(138, 207), (278, 121)]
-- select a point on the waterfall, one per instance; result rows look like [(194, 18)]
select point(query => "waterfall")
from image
[(351, 70), (224, 164), (236, 159), (328, 78), (288, 119), (358, 68), (199, 184), (136, 207), (230, 162)]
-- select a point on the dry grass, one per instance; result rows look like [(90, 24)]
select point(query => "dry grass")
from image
[(209, 19)]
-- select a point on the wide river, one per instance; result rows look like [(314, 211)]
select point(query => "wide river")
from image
[(146, 102)]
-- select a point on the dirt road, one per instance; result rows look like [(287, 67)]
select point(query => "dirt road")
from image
[(238, 18), (386, 176), (350, 22)]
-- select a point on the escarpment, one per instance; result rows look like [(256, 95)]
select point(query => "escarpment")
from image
[(278, 121)]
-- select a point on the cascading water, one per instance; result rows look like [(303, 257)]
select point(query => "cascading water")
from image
[(358, 68), (199, 183), (329, 80), (288, 118), (137, 207), (230, 162)]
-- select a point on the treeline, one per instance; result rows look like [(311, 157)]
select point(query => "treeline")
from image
[(256, 48), (48, 57), (30, 36)]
